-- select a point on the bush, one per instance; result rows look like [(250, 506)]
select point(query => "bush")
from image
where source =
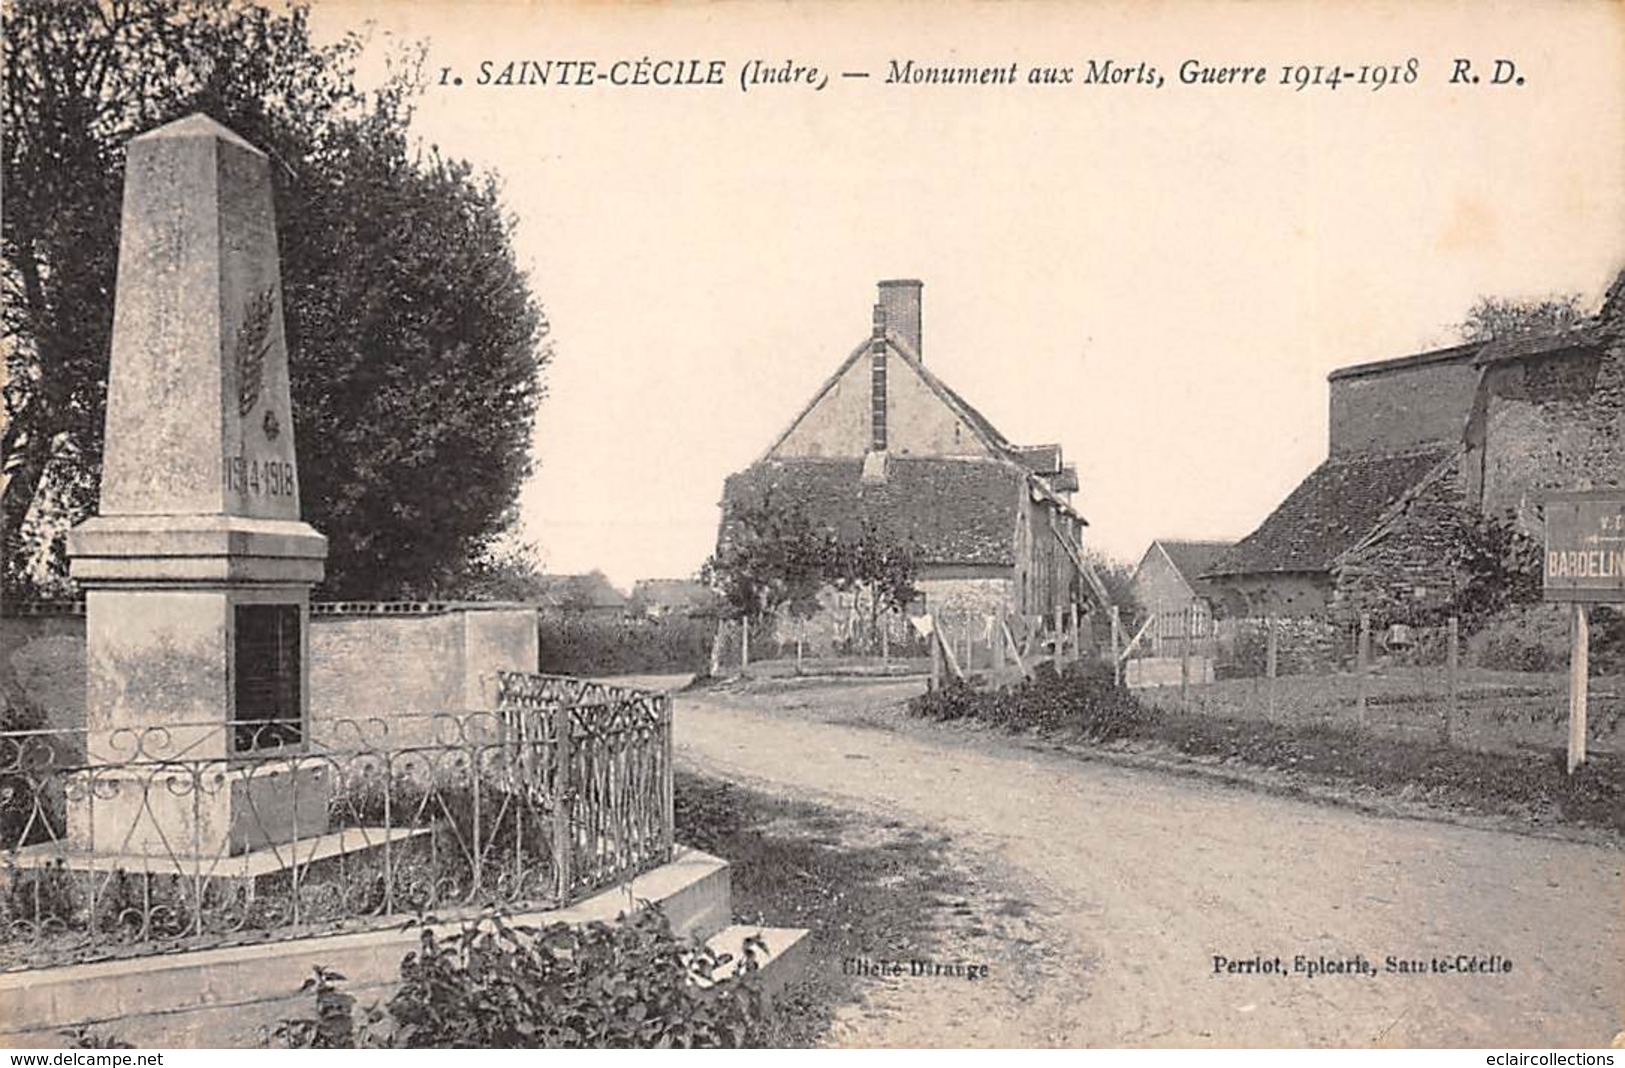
[(632, 984), (1086, 703), (1511, 651), (1536, 638), (1086, 699), (581, 646)]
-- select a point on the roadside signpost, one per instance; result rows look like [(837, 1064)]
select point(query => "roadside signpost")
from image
[(1584, 563)]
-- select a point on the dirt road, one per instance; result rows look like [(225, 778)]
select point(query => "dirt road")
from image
[(1134, 883)]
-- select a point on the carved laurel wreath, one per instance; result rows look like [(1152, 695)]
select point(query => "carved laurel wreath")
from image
[(253, 343)]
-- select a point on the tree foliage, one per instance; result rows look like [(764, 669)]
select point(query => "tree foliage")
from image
[(875, 563), (1492, 318), (416, 347), (1118, 578), (769, 556), (772, 556)]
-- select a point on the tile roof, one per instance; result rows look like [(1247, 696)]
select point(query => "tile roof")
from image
[(1194, 558), (672, 593), (1040, 459), (953, 511), (1329, 512)]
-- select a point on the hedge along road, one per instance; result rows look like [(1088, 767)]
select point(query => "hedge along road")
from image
[(1137, 881)]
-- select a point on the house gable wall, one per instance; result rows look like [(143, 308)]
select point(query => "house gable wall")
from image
[(1413, 402), (1158, 585), (838, 424), (918, 423)]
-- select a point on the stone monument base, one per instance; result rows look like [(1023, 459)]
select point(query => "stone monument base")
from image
[(211, 808), (245, 871)]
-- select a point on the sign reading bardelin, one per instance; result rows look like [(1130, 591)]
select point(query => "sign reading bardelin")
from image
[(1585, 546)]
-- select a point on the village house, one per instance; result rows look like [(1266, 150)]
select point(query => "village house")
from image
[(589, 596), (1168, 579), (659, 598), (1423, 445), (1177, 606), (886, 442)]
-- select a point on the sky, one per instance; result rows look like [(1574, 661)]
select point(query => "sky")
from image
[(1159, 278)]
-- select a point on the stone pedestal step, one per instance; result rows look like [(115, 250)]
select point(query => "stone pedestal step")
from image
[(246, 869), (785, 958)]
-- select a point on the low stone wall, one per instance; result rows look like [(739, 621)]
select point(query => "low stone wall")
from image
[(365, 660), (968, 596), (228, 997), (42, 666)]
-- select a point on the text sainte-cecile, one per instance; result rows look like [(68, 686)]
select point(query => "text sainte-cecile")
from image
[(666, 72), (1360, 964)]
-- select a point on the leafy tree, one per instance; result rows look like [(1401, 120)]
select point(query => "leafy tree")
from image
[(416, 346), (877, 568), (1612, 312), (769, 556), (1491, 318), (1118, 578), (772, 556), (510, 571)]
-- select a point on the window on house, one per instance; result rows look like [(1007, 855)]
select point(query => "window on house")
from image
[(267, 676)]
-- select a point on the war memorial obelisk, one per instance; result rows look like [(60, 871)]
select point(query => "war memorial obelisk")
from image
[(197, 570)]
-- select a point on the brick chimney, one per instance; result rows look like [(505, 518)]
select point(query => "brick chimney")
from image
[(901, 299), (877, 380)]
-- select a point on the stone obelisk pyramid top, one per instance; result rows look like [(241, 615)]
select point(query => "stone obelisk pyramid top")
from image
[(200, 430), (196, 124)]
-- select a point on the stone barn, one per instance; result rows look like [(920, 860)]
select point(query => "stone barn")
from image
[(1422, 445)]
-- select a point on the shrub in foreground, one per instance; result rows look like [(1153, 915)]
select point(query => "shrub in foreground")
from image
[(631, 984)]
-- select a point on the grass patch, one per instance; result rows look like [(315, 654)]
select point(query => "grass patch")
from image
[(1087, 706), (863, 887)]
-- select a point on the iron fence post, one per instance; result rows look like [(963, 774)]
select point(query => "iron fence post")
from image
[(667, 785), (563, 792)]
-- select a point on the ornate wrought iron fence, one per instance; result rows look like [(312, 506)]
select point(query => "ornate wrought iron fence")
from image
[(615, 744), (132, 841)]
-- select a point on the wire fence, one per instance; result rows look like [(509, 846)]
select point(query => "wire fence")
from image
[(1405, 681)]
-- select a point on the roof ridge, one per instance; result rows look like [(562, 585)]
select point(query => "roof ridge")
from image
[(980, 424), (818, 395), (1367, 455)]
